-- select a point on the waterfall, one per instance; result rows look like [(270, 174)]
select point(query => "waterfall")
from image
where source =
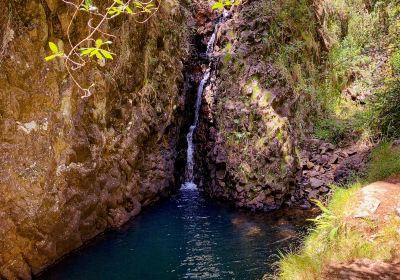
[(189, 180)]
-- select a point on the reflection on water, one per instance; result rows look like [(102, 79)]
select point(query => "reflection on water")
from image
[(186, 237), (200, 261)]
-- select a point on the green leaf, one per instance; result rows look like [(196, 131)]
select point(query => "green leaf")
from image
[(111, 11), (86, 51), (114, 11), (321, 206), (53, 47), (96, 53), (106, 54), (51, 57), (129, 10), (333, 233), (119, 2), (138, 4), (99, 43), (84, 8), (218, 6)]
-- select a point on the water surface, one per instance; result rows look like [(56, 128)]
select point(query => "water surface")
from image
[(185, 237)]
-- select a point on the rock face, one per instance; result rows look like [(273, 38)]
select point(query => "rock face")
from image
[(246, 131), (254, 139), (323, 164), (72, 167)]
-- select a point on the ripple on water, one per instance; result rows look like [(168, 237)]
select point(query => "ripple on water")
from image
[(185, 237)]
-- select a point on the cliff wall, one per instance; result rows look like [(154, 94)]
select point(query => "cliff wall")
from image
[(71, 167)]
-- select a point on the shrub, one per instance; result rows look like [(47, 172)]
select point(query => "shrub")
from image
[(385, 161), (331, 130), (387, 107)]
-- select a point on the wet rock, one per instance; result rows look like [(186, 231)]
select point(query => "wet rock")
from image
[(324, 189), (305, 205), (308, 165), (326, 147), (351, 152), (254, 231), (313, 194)]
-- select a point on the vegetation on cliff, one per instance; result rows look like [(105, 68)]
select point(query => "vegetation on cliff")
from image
[(353, 79), (301, 87)]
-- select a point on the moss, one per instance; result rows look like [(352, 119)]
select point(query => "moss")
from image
[(227, 58)]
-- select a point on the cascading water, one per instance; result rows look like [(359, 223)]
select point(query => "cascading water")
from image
[(189, 176)]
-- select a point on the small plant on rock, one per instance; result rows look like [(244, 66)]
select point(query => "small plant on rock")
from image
[(224, 4)]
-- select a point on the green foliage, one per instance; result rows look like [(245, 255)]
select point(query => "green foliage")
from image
[(146, 8), (387, 109), (88, 6), (385, 161), (224, 4), (55, 52), (333, 79), (327, 221), (330, 130), (97, 51), (79, 56), (124, 8), (121, 8), (395, 62), (330, 232)]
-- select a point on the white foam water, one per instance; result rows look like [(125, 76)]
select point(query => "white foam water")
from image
[(189, 180)]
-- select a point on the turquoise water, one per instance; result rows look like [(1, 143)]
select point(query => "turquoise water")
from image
[(185, 237)]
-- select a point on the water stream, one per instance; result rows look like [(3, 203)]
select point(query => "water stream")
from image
[(190, 149), (187, 236)]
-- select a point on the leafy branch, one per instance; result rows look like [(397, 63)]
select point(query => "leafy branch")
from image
[(93, 45)]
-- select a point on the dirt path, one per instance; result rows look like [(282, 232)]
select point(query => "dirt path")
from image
[(364, 270)]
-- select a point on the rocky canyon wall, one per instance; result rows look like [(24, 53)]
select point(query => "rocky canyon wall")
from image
[(72, 167), (255, 142), (246, 130)]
